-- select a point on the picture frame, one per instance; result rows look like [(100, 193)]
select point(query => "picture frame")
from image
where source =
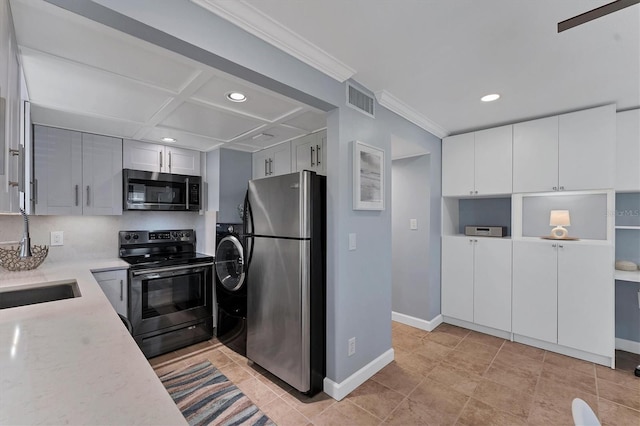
[(368, 177)]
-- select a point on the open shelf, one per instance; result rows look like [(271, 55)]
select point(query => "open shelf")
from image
[(633, 276)]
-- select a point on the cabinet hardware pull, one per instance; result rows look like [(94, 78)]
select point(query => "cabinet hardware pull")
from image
[(265, 167), (270, 166), (77, 195), (186, 194), (88, 194), (555, 188), (121, 291), (12, 183), (476, 192), (318, 155), (35, 191), (561, 246), (160, 154), (169, 161), (311, 149), (14, 152), (553, 245), (470, 192), (562, 188)]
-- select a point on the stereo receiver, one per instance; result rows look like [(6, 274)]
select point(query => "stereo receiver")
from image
[(485, 231)]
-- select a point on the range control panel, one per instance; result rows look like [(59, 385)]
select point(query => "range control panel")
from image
[(150, 237)]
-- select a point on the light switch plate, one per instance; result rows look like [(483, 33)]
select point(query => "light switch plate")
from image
[(413, 223), (57, 238), (352, 241)]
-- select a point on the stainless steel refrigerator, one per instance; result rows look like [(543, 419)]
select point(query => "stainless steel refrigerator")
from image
[(285, 230)]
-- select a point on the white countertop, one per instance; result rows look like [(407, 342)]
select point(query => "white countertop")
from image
[(72, 361)]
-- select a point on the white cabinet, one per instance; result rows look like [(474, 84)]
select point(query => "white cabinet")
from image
[(476, 280), (160, 158), (272, 161), (308, 153), (563, 293), (567, 152), (477, 163), (628, 151), (76, 173), (114, 285)]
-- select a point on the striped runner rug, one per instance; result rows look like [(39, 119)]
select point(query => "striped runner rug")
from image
[(206, 397)]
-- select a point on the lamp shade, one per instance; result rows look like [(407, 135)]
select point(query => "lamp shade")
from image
[(559, 218)]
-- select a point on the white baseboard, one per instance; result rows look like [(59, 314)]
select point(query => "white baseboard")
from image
[(479, 328), (628, 345), (417, 322), (338, 391)]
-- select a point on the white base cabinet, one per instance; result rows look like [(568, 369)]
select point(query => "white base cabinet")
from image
[(476, 280), (160, 158), (563, 294), (76, 173), (115, 287)]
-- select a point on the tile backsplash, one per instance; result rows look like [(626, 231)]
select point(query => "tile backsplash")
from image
[(92, 237)]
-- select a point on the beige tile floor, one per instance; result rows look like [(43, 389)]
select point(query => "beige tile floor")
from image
[(449, 376)]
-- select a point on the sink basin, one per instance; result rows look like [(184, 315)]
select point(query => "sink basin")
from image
[(40, 294)]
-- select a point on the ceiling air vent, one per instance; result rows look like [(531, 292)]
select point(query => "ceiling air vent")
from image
[(360, 101)]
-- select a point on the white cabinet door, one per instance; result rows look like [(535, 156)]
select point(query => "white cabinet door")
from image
[(58, 171), (628, 151), (114, 285), (281, 159), (143, 156), (535, 155), (308, 153), (102, 175), (492, 283), (586, 298), (260, 164), (587, 154), (458, 155), (457, 278), (493, 161), (182, 161), (535, 285)]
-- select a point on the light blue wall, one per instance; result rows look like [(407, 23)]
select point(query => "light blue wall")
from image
[(358, 282)]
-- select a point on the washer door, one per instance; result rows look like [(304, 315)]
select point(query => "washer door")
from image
[(230, 263)]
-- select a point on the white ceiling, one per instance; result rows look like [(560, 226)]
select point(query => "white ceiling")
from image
[(432, 60), (85, 76)]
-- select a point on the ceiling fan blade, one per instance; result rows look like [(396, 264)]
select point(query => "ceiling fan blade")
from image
[(595, 13)]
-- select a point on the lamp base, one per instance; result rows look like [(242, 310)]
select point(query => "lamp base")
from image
[(559, 233)]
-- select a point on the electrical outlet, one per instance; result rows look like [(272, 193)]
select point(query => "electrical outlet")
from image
[(413, 223), (352, 346), (57, 238)]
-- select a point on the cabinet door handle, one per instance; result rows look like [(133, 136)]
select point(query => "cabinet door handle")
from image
[(470, 192), (270, 166), (554, 245), (88, 195), (311, 149), (121, 291), (77, 195), (562, 188), (35, 191), (560, 246), (555, 188), (265, 167), (160, 154), (318, 155), (169, 161), (476, 192)]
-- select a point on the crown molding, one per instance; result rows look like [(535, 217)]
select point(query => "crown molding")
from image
[(267, 29), (394, 104)]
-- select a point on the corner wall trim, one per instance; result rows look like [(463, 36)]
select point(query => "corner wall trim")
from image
[(628, 345), (338, 391), (417, 322)]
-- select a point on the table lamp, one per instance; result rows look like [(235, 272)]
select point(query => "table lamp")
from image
[(559, 218)]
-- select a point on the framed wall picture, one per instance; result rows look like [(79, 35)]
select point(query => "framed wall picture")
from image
[(368, 177)]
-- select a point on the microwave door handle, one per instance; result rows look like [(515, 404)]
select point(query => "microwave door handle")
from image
[(171, 268), (186, 195)]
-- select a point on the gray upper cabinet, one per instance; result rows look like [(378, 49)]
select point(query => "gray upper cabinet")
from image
[(272, 161), (628, 151), (76, 173), (308, 153)]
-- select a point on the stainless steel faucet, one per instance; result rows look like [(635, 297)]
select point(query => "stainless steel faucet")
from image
[(25, 243)]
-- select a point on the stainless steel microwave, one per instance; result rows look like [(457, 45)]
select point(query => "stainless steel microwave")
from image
[(160, 191)]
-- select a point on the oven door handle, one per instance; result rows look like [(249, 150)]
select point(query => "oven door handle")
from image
[(170, 268)]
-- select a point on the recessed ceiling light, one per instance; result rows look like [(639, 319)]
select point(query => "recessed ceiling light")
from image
[(236, 97), (490, 98), (168, 139)]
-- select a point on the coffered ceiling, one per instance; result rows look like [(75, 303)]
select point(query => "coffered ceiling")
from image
[(84, 76)]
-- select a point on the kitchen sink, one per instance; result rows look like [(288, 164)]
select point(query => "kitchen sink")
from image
[(48, 292)]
